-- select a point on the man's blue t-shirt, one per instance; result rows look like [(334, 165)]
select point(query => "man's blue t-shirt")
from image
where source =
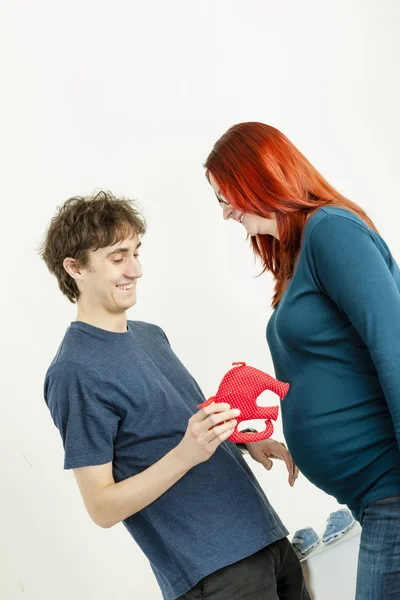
[(126, 398), (335, 337)]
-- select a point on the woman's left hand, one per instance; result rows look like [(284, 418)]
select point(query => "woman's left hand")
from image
[(265, 451)]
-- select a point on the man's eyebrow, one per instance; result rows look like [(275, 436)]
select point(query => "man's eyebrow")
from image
[(125, 250)]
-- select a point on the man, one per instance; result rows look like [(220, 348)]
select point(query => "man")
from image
[(141, 452)]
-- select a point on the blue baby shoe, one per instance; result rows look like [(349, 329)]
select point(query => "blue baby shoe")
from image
[(338, 524), (304, 541)]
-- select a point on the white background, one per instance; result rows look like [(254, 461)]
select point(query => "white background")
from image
[(130, 96)]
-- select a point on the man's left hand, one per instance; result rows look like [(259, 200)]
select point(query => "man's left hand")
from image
[(265, 451)]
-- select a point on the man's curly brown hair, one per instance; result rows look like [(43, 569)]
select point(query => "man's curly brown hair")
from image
[(84, 224)]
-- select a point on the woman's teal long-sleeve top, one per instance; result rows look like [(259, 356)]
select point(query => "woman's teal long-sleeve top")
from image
[(335, 337)]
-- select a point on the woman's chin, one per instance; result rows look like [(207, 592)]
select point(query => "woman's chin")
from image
[(250, 232)]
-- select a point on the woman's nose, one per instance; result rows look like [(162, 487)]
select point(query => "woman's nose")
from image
[(227, 211)]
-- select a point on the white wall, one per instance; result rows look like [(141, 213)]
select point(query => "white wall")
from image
[(130, 96)]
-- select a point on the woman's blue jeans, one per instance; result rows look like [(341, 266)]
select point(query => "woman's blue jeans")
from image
[(378, 576)]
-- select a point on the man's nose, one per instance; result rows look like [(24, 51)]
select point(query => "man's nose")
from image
[(134, 269)]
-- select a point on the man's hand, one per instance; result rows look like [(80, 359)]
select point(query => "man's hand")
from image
[(206, 430), (266, 450)]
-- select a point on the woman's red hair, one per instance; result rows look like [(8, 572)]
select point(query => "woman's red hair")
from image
[(259, 171)]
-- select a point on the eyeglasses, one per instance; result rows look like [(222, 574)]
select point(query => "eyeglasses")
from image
[(222, 202)]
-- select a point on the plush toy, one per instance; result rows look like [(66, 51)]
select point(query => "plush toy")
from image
[(241, 387)]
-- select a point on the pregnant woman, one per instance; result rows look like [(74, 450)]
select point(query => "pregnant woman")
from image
[(334, 334)]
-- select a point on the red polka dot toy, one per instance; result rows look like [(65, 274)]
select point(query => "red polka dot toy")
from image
[(241, 387)]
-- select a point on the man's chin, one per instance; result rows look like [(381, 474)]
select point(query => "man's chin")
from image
[(131, 304), (123, 307)]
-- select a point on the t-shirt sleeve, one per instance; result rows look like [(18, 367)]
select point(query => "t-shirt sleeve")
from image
[(353, 267), (86, 420)]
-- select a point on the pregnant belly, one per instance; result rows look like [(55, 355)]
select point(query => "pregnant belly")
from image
[(338, 437)]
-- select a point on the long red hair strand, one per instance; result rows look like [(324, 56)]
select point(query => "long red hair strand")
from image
[(260, 171)]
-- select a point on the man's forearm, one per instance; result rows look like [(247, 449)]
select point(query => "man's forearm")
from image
[(119, 501)]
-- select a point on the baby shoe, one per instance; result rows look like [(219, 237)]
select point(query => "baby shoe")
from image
[(304, 541), (338, 524)]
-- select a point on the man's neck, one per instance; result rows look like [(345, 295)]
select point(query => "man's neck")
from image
[(109, 322)]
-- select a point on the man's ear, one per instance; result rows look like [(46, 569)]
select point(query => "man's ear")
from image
[(73, 268)]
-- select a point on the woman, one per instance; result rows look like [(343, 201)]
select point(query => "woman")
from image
[(334, 334)]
